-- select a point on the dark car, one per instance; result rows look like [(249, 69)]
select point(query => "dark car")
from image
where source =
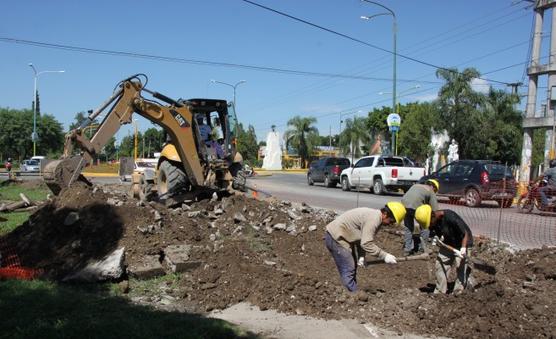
[(327, 170), (475, 181)]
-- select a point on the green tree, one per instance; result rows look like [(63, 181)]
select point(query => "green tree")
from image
[(418, 122), (459, 108), (502, 133), (300, 130), (127, 145), (109, 150), (152, 141), (354, 136), (247, 144), (16, 127)]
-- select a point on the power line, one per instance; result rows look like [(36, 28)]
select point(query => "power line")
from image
[(191, 61), (378, 62), (357, 40)]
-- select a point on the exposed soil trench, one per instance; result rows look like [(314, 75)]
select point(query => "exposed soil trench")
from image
[(247, 255)]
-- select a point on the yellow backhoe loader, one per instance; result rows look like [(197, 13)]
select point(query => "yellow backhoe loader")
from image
[(190, 163)]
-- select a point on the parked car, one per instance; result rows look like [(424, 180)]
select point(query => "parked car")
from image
[(326, 170), (475, 181), (31, 165), (381, 174)]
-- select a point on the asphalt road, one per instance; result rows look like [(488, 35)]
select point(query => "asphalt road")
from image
[(508, 225), (517, 229)]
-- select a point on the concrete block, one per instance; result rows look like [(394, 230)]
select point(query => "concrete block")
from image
[(177, 258), (150, 267)]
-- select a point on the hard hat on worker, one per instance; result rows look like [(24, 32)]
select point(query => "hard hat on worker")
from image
[(434, 183), (423, 215), (397, 210)]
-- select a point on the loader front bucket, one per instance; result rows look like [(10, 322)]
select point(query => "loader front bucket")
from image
[(60, 174)]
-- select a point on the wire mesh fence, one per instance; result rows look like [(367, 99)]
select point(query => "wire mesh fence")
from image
[(501, 211)]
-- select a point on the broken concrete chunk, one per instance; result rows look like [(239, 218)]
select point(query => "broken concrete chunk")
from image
[(268, 229), (71, 218), (294, 216), (185, 207), (313, 228), (150, 267), (267, 220), (111, 267), (279, 227), (194, 214), (269, 263), (157, 216), (218, 211), (290, 228), (238, 217), (177, 258)]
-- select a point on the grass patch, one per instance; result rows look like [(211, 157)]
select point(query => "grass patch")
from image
[(153, 286), (14, 219), (40, 309), (103, 168), (11, 192)]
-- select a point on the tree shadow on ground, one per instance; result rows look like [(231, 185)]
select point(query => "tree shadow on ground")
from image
[(40, 309)]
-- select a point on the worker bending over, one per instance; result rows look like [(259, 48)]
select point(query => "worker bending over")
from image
[(357, 228), (454, 239)]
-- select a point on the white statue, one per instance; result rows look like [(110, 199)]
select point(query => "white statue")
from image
[(273, 153), (437, 142), (453, 151)]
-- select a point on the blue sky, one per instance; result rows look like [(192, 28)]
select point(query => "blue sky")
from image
[(488, 35)]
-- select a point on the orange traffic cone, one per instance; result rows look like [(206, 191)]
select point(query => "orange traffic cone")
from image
[(255, 193)]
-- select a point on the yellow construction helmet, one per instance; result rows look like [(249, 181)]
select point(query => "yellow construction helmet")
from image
[(423, 215), (434, 183), (397, 209)]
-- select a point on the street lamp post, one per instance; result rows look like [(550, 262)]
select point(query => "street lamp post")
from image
[(34, 136), (232, 86), (394, 33)]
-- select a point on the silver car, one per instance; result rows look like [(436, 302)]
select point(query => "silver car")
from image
[(30, 166)]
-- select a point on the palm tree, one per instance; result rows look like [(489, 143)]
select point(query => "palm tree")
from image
[(459, 102), (299, 134), (354, 135)]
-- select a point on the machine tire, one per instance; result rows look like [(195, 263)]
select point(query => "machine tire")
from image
[(472, 198), (310, 181), (171, 178), (345, 184), (378, 187)]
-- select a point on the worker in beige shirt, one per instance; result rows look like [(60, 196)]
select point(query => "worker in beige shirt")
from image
[(357, 228)]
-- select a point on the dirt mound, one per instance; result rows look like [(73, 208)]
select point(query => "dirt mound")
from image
[(272, 254)]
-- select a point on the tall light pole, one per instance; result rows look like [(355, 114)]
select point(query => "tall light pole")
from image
[(232, 86), (34, 136), (394, 33)]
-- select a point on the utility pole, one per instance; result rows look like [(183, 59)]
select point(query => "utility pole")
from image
[(531, 121), (330, 139)]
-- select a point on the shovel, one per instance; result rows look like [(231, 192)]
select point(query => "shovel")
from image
[(477, 263), (423, 256)]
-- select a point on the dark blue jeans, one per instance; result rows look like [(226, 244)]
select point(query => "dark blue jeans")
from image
[(345, 262)]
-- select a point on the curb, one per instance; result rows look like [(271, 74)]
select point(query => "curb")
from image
[(280, 171)]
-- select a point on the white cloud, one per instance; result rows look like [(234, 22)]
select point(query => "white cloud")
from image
[(480, 85)]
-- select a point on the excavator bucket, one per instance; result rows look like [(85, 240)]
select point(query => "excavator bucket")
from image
[(60, 174)]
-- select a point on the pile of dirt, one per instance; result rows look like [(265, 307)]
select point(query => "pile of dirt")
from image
[(272, 254)]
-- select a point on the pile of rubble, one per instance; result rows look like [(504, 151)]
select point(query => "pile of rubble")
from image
[(271, 253)]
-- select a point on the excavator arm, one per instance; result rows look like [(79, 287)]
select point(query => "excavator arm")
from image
[(176, 119)]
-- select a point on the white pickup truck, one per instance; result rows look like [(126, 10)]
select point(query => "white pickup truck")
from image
[(381, 174)]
